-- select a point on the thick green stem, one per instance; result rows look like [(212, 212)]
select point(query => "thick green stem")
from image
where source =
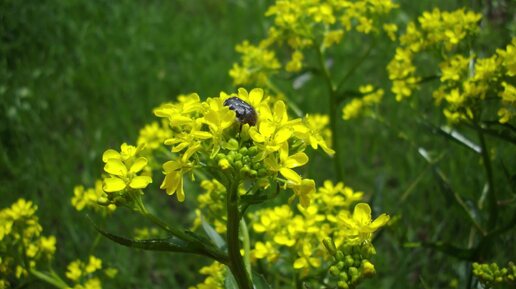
[(236, 262), (493, 209), (333, 110)]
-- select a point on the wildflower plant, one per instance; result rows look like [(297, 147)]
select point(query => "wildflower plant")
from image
[(28, 255), (243, 149)]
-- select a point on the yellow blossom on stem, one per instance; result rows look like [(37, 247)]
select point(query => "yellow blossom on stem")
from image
[(361, 226), (123, 168)]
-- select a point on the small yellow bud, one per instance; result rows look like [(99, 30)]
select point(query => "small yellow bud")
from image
[(368, 269), (224, 164)]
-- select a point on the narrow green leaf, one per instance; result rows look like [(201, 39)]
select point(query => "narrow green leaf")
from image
[(260, 282), (230, 282), (212, 234), (172, 244), (459, 138)]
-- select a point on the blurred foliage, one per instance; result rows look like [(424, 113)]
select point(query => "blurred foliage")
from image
[(77, 77)]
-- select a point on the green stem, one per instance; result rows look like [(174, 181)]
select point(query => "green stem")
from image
[(493, 209), (236, 262), (333, 108), (355, 66), (56, 282)]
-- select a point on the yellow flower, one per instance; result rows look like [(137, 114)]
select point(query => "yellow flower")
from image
[(257, 64), (265, 251), (352, 109), (174, 171), (74, 270), (305, 257), (508, 57), (390, 29), (314, 131), (296, 62), (153, 135), (48, 245), (123, 168), (360, 225), (94, 264)]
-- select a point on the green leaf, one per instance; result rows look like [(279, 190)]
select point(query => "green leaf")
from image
[(212, 234), (172, 244), (459, 138), (230, 282), (260, 282)]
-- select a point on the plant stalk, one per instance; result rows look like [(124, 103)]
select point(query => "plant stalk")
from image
[(236, 262), (493, 208), (333, 108)]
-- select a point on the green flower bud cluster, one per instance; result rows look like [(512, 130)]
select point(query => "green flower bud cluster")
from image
[(490, 274), (350, 263), (241, 159)]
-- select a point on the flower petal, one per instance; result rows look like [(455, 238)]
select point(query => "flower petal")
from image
[(290, 175), (380, 221), (140, 182), (296, 160), (362, 214), (115, 167), (282, 135), (138, 165), (113, 185), (110, 154)]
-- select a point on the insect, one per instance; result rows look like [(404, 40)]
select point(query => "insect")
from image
[(245, 113)]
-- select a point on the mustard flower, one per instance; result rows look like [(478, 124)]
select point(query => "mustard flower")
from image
[(361, 226), (174, 171), (123, 168), (215, 276)]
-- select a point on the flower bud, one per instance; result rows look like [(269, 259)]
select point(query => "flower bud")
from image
[(334, 270), (232, 144), (224, 164), (368, 268), (339, 255), (349, 260)]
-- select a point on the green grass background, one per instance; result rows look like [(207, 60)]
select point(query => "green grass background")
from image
[(78, 77)]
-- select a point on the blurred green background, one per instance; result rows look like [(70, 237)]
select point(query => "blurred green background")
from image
[(78, 77)]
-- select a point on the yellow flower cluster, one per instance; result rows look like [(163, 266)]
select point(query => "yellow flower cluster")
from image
[(261, 143), (436, 29), (301, 24), (27, 252), (363, 105), (90, 197), (296, 235), (212, 205), (21, 241), (258, 64), (153, 135), (467, 81), (215, 273), (81, 273), (127, 174)]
